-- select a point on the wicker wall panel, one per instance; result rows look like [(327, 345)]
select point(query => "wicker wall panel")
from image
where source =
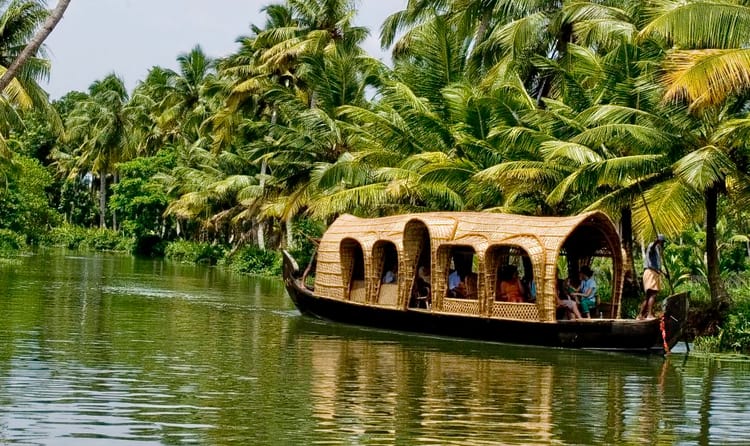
[(508, 310), (388, 294), (359, 291), (333, 292), (461, 306)]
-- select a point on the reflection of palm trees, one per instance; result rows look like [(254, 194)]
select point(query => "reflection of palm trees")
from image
[(705, 409)]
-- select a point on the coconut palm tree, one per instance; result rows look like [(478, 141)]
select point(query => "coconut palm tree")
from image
[(282, 62), (21, 92), (30, 50), (706, 68), (99, 125)]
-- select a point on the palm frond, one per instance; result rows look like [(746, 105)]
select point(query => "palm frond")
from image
[(699, 24), (704, 168), (672, 205), (706, 77)]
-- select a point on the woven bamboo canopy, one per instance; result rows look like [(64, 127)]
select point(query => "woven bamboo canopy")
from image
[(353, 251)]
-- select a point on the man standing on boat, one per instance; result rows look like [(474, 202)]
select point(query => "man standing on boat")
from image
[(652, 263)]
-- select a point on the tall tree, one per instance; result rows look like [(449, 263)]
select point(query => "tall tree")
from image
[(706, 67), (19, 21), (34, 44), (99, 125)]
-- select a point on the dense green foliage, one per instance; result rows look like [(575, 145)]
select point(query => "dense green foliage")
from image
[(96, 239), (186, 251), (636, 108), (24, 204), (734, 333), (140, 202), (10, 242), (253, 260)]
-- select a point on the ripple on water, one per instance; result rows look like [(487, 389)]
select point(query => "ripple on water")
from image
[(119, 351)]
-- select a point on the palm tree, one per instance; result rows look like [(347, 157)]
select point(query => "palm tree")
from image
[(282, 63), (706, 68), (318, 26), (100, 125), (176, 104), (22, 92), (33, 45)]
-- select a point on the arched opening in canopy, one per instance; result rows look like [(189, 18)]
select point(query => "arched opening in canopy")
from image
[(385, 266), (505, 263), (594, 245), (418, 264), (353, 270)]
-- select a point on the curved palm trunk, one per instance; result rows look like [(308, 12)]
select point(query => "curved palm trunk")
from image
[(719, 296), (561, 49), (33, 46)]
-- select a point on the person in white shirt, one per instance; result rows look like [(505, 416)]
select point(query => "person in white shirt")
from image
[(652, 272)]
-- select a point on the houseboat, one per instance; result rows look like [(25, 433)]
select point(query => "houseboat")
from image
[(443, 273)]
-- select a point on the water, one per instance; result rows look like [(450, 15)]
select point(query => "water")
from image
[(113, 350)]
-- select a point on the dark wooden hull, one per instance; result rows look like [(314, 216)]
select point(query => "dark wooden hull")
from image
[(603, 334)]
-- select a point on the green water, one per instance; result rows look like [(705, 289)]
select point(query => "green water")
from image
[(114, 350)]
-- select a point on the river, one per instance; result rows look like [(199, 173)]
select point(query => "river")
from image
[(109, 349)]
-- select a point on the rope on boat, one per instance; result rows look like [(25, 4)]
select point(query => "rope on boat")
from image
[(662, 327)]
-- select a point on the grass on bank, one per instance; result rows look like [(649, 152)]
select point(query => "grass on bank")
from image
[(94, 239)]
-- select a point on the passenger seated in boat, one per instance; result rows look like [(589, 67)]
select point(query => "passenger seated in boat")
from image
[(586, 291), (423, 281), (456, 286), (530, 287), (422, 287), (510, 288), (565, 302), (390, 275)]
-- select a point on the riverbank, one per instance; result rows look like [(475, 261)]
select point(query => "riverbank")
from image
[(710, 332)]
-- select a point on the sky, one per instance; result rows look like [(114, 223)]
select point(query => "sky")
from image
[(128, 37)]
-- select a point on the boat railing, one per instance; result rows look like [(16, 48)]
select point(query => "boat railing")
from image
[(461, 306), (515, 310)]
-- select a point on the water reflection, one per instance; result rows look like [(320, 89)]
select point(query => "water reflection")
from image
[(113, 350), (430, 388)]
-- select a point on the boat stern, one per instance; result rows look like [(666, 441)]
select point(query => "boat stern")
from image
[(675, 318)]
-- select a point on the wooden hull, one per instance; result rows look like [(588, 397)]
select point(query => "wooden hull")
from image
[(603, 334)]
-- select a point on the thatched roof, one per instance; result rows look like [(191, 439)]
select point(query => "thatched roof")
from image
[(543, 238)]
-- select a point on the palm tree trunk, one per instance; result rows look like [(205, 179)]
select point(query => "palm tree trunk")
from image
[(482, 29), (114, 212), (261, 236), (102, 199), (33, 46), (289, 233), (263, 169), (626, 233), (719, 296)]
